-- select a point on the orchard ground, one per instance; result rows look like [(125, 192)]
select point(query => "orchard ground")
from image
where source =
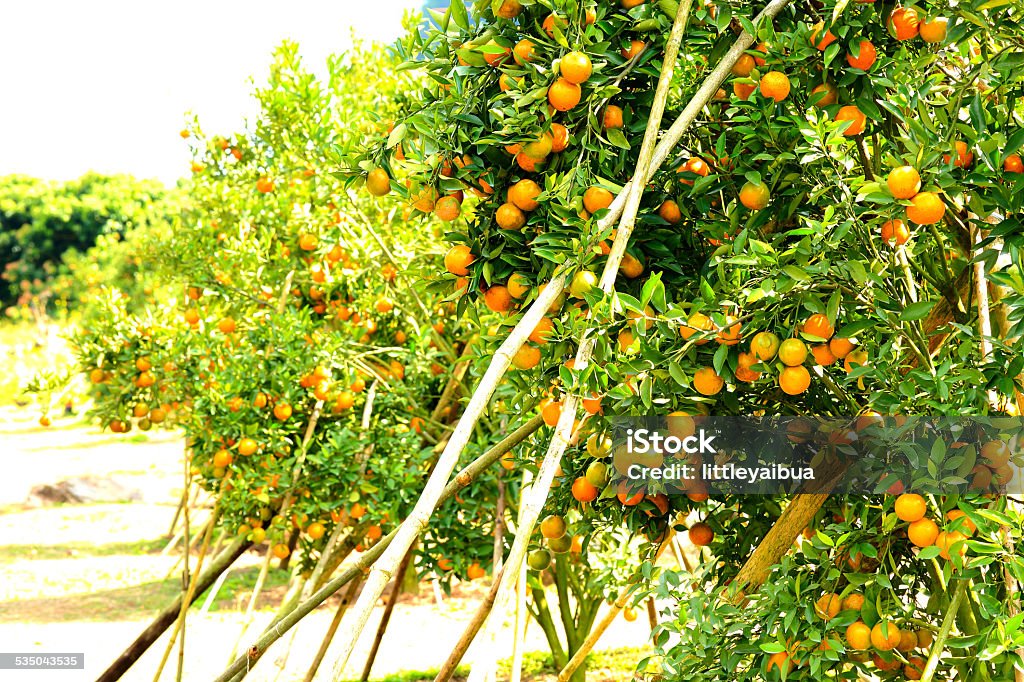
[(87, 577)]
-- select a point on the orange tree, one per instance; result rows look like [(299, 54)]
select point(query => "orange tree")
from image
[(837, 234), (312, 381)]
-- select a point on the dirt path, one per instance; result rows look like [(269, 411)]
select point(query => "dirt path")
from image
[(86, 578)]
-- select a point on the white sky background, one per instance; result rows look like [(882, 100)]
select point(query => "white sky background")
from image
[(104, 85)]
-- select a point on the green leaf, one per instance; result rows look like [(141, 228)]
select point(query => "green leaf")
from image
[(916, 311), (397, 135), (772, 648), (616, 137), (459, 15), (796, 273)]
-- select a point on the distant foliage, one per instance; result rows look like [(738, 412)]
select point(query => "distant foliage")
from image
[(47, 227)]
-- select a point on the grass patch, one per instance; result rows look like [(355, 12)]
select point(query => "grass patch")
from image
[(613, 664), (239, 584), (11, 553)]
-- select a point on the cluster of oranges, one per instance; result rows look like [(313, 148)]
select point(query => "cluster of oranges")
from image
[(794, 379)]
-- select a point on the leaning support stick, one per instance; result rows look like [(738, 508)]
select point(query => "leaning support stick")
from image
[(461, 480)]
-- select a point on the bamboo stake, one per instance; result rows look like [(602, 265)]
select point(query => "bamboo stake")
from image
[(164, 619), (335, 622), (471, 631), (186, 576), (418, 519), (620, 603), (396, 592), (190, 596), (466, 476), (652, 613), (533, 500), (250, 608), (940, 639), (519, 641)]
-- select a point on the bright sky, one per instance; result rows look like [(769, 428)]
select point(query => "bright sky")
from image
[(105, 85)]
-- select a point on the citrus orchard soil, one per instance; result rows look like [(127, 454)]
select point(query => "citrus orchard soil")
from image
[(87, 577)]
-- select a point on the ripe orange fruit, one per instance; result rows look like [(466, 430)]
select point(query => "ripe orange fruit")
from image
[(729, 333), (926, 208), (764, 346), (629, 614), (526, 357), (743, 66), (818, 325), (552, 527), (496, 58), (743, 371), (447, 208), (828, 606), (858, 635), (542, 331), (628, 500), (509, 9), (227, 325), (965, 525), (669, 212), (552, 412), (282, 411), (695, 323), (191, 316), (583, 490), (635, 48), (823, 355), (445, 564), (908, 641), (222, 458), (281, 550), (264, 185), (855, 116), (743, 90), (824, 95), (523, 194), (423, 199), (596, 198), (853, 602), (947, 539), (825, 40), (781, 661), (887, 640), (911, 507), (840, 346), (378, 183), (934, 30), (517, 285), (775, 85), (630, 4), (964, 156), (794, 380), (855, 358), (631, 266), (523, 51), (575, 67), (498, 299), (707, 381), (510, 217), (1013, 164), (914, 668), (865, 58), (904, 182), (904, 23), (564, 95), (559, 137), (475, 571), (895, 231), (611, 117), (701, 534), (695, 165), (792, 352), (754, 196), (458, 260)]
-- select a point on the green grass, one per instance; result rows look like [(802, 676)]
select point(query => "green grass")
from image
[(240, 583), (11, 553), (613, 664)]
